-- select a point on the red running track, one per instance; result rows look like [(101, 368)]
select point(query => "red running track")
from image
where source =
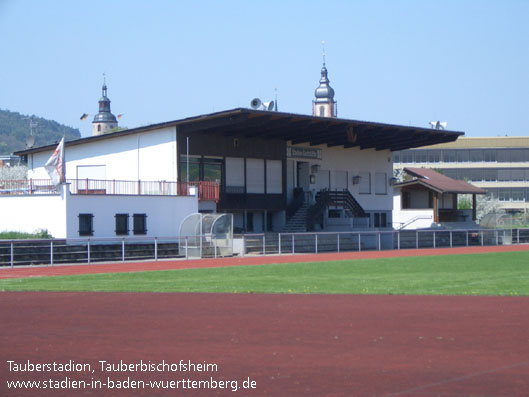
[(290, 345), (63, 270)]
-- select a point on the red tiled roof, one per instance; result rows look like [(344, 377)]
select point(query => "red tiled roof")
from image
[(439, 182)]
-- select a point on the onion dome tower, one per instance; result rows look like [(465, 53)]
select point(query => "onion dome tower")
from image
[(104, 121), (324, 105)]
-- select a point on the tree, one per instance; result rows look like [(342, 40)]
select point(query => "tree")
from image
[(487, 205), (16, 172)]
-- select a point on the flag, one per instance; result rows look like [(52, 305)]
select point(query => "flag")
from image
[(84, 116), (120, 115), (55, 164)]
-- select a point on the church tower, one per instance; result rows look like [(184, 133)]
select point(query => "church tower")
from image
[(104, 121), (324, 105)]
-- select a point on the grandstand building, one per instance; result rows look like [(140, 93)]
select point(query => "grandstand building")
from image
[(273, 171)]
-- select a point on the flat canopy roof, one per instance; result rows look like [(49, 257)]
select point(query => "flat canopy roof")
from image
[(300, 129)]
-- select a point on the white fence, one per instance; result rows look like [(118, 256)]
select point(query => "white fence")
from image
[(90, 250)]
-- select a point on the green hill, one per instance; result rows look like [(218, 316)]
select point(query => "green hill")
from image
[(14, 129)]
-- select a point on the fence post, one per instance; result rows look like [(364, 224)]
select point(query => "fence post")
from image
[(215, 248), (416, 239), (379, 242), (293, 250), (467, 238), (482, 238), (496, 233), (187, 256), (279, 244), (450, 239), (264, 244), (88, 250), (398, 240), (12, 253), (51, 252), (122, 250), (434, 238), (518, 235), (359, 243), (243, 245), (156, 248), (338, 242)]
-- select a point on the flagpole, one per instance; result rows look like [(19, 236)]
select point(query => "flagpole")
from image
[(64, 159)]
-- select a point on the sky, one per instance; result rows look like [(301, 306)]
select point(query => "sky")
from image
[(399, 62)]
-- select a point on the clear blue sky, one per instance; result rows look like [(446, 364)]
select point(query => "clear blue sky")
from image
[(401, 62)]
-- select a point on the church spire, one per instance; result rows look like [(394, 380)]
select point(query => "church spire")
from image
[(324, 105), (104, 121)]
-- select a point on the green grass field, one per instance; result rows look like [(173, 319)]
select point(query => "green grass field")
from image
[(478, 274)]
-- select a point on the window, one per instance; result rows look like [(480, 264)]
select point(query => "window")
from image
[(505, 195), (255, 176), (194, 168), (140, 223), (476, 175), (381, 185), (504, 174), (322, 111), (434, 156), (490, 175), (405, 200), (462, 156), (421, 156), (406, 156), (380, 219), (86, 225), (503, 155), (476, 156), (274, 176), (234, 175), (518, 194), (249, 222), (122, 224), (212, 170), (99, 128), (489, 156), (396, 157), (365, 183), (269, 222), (517, 175), (449, 156), (517, 155)]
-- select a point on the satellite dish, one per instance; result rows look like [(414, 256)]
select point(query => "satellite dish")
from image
[(438, 125), (268, 105), (30, 141), (256, 103)]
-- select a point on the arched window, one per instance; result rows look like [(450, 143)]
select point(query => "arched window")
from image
[(322, 111), (99, 128)]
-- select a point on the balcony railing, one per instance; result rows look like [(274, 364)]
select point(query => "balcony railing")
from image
[(205, 190)]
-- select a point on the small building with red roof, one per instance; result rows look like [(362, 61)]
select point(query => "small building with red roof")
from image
[(427, 197)]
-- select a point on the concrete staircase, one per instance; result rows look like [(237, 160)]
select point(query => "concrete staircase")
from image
[(298, 222)]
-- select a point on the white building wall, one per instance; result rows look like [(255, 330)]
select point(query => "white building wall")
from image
[(59, 214), (30, 213), (149, 155), (410, 218), (355, 161), (164, 213)]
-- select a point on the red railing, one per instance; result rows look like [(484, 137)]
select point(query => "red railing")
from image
[(205, 190)]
